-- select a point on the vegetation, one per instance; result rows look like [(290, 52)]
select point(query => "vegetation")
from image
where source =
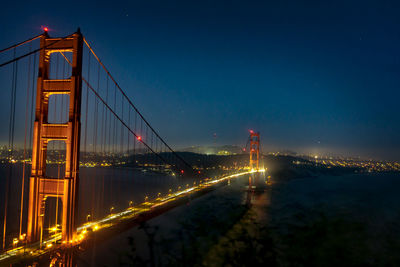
[(308, 238)]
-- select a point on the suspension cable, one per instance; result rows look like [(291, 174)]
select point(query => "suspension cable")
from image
[(130, 102), (21, 43), (10, 144), (34, 51), (117, 117), (26, 130)]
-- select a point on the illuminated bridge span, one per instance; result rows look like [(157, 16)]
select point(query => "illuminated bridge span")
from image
[(80, 156)]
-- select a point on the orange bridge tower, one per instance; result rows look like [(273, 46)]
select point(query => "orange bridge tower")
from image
[(42, 187), (254, 150)]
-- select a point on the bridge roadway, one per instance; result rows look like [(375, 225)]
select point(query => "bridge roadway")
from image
[(126, 219)]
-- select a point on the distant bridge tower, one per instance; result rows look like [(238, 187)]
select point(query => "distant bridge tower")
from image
[(254, 150), (40, 186)]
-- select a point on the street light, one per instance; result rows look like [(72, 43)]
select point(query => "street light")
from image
[(111, 210), (22, 238), (88, 217), (15, 242)]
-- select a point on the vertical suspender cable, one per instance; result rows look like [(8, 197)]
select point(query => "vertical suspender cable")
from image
[(10, 144), (86, 112), (122, 126), (26, 130), (96, 125)]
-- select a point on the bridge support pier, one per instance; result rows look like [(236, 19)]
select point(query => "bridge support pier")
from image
[(40, 186)]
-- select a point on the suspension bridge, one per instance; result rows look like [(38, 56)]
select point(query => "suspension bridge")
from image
[(78, 158)]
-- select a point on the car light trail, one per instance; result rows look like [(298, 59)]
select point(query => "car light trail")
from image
[(38, 248)]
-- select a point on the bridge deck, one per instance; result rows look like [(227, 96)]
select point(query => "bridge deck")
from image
[(126, 218)]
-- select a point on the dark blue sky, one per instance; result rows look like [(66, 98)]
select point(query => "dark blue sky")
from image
[(311, 77)]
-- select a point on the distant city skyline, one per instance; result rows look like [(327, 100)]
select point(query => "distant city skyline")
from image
[(214, 149)]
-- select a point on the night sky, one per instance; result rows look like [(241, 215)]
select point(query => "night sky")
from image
[(310, 76)]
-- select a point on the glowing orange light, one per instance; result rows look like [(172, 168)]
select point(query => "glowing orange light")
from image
[(199, 172), (139, 138), (46, 29)]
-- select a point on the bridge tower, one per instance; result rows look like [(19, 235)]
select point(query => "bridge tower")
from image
[(254, 150), (40, 186)]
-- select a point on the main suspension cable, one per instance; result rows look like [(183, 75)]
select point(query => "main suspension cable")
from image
[(21, 43), (34, 51), (134, 107), (117, 117)]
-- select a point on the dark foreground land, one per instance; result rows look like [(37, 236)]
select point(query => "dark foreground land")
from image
[(306, 217)]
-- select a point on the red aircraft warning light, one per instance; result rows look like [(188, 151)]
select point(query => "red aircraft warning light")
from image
[(46, 29), (139, 138), (182, 171)]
